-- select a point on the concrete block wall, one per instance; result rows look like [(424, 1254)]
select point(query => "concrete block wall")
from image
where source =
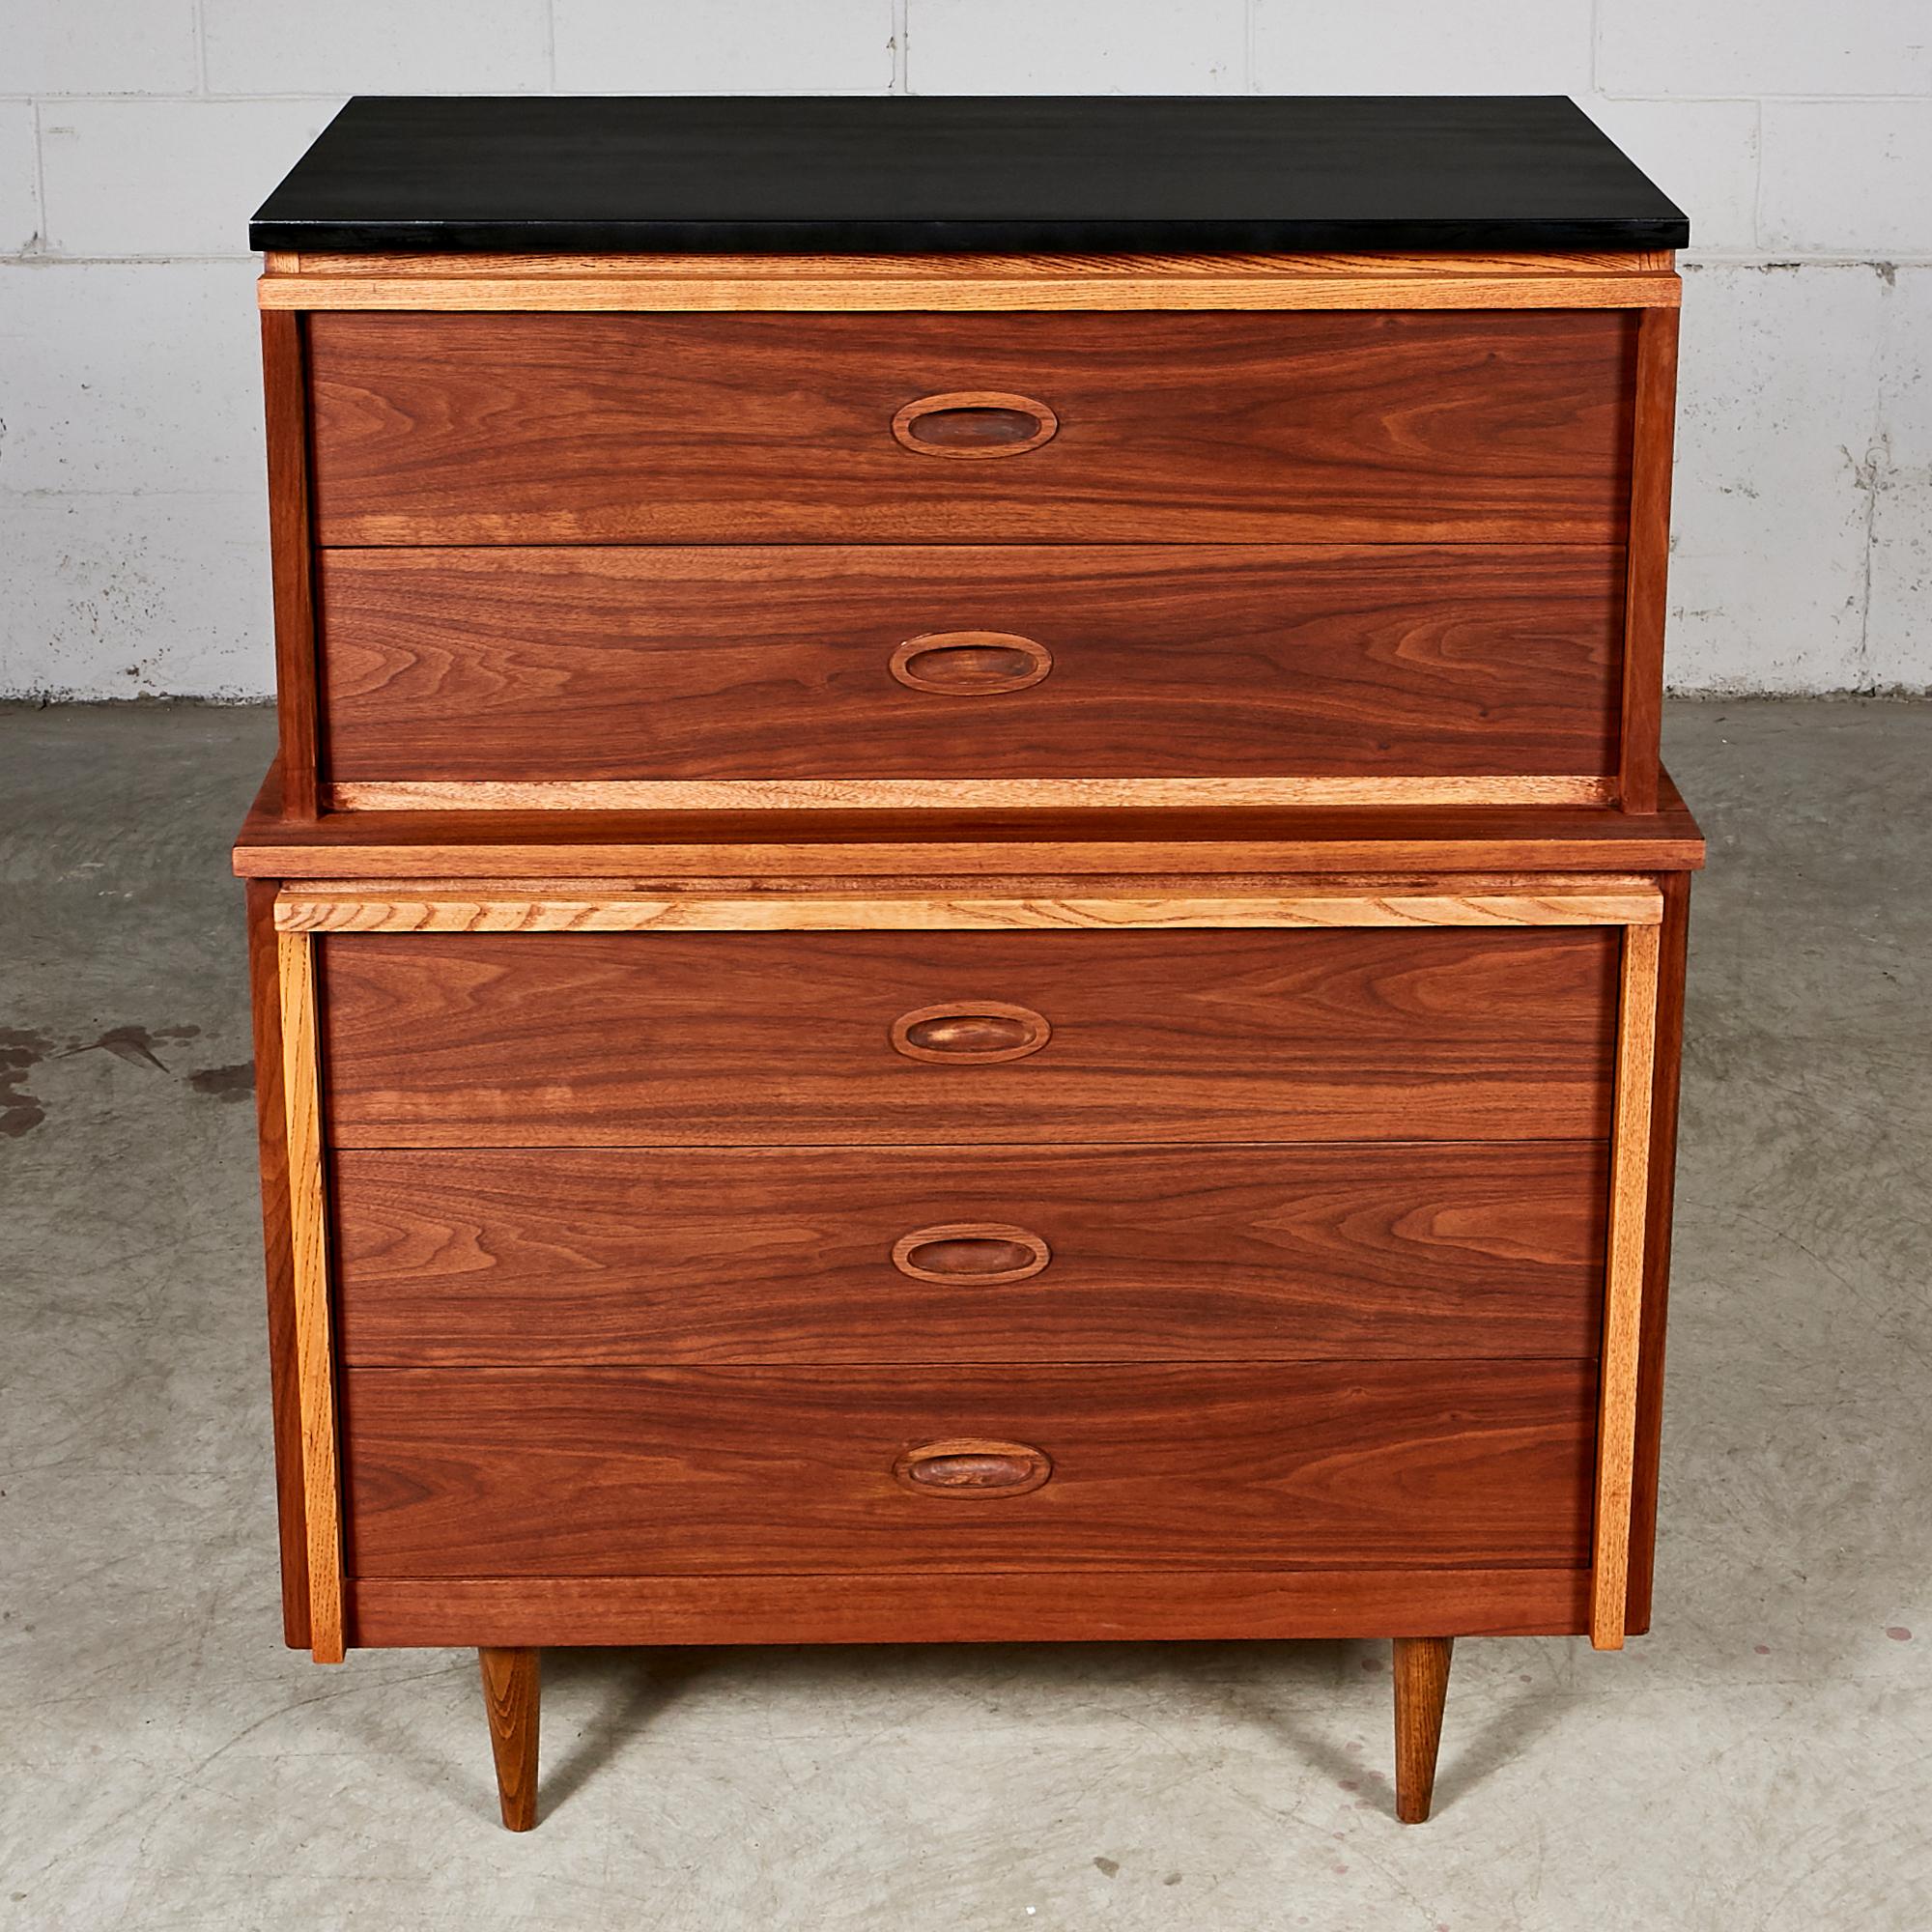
[(137, 135)]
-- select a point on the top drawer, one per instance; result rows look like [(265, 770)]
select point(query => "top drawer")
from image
[(1454, 427)]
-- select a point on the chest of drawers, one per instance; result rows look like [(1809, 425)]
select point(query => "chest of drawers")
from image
[(967, 929)]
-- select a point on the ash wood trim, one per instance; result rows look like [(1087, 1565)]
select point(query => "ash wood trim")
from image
[(1647, 559), (953, 794), (1002, 1606), (272, 1131), (1672, 947), (970, 266), (985, 282), (1623, 1306), (308, 1229), (914, 846), (558, 906), (285, 406)]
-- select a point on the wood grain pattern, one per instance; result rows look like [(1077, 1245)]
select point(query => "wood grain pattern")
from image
[(1672, 946), (464, 429), (583, 665), (285, 408), (529, 1258), (968, 281), (1157, 1604), (560, 906), (309, 1247), (1646, 601), (1421, 1684), (264, 1001), (512, 1698), (746, 1039), (917, 847), (1622, 1311), (967, 266), (957, 794), (557, 1472)]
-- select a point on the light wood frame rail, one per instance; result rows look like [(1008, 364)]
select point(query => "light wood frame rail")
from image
[(954, 794), (315, 1348), (345, 907), (855, 283)]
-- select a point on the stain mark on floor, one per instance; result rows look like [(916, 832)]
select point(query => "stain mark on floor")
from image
[(226, 1083), (20, 1052)]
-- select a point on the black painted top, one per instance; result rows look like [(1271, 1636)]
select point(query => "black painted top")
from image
[(909, 174)]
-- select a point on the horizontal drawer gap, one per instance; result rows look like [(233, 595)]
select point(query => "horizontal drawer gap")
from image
[(358, 1145), (698, 1371)]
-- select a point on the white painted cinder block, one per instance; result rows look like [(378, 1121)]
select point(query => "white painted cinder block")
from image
[(1778, 428), (1076, 47), (19, 179), (158, 178), (723, 46), (1898, 634), (128, 596), (129, 376), (1422, 46), (1848, 177), (97, 46), (376, 47), (1702, 153), (1767, 46)]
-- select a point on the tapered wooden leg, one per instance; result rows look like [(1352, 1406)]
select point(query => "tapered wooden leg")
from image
[(1421, 1683), (512, 1692)]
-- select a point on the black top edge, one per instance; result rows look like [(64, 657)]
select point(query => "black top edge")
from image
[(920, 176)]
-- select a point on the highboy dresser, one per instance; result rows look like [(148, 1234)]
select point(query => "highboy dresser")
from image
[(967, 929)]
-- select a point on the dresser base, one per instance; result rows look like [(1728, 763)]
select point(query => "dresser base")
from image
[(512, 1697)]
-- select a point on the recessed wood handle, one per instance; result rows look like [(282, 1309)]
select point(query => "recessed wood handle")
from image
[(970, 1032), (974, 423), (970, 664), (980, 1254), (974, 1469)]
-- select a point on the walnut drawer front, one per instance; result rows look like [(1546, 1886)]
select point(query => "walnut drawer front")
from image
[(1400, 426), (468, 1472), (589, 663), (528, 1256), (734, 1038)]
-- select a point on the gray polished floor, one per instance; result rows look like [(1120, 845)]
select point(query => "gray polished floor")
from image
[(1760, 1761)]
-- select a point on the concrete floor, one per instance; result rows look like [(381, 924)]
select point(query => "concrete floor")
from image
[(1760, 1761)]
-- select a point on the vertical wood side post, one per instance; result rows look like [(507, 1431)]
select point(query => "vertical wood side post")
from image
[(285, 406), (1623, 1293), (1421, 1685), (1647, 556), (512, 1693), (264, 1001), (308, 1241)]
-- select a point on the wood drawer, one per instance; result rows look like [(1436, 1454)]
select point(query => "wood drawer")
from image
[(521, 1257), (1409, 426), (734, 1038), (470, 1472), (582, 663)]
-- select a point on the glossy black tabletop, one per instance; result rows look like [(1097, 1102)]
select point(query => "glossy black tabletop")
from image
[(906, 174)]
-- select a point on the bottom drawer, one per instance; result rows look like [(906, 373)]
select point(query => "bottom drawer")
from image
[(488, 1472)]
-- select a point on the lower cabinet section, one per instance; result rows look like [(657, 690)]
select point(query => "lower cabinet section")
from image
[(585, 1472)]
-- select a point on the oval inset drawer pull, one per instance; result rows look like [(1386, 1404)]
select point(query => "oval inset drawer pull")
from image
[(970, 664), (974, 423), (980, 1253), (970, 1032), (974, 1469)]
